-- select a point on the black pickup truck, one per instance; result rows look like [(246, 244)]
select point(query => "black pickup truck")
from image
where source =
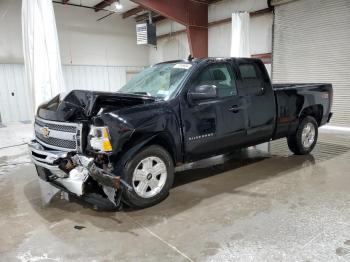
[(124, 146)]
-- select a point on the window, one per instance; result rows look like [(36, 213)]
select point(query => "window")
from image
[(252, 81), (160, 81), (248, 71), (219, 75)]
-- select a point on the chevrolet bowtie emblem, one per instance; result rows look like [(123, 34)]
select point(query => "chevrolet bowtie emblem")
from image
[(45, 131)]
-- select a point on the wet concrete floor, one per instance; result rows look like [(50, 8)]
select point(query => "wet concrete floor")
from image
[(248, 206)]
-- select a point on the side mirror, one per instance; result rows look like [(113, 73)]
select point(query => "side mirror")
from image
[(202, 92)]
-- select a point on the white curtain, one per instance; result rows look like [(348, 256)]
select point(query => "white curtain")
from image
[(240, 35), (41, 52)]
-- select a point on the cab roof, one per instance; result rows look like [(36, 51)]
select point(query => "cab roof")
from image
[(208, 59)]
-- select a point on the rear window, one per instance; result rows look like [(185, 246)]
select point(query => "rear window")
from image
[(248, 71)]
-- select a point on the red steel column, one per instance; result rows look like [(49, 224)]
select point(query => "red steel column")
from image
[(192, 14), (198, 41)]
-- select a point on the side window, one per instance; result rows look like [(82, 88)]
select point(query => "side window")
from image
[(204, 78), (221, 76), (248, 71), (252, 82)]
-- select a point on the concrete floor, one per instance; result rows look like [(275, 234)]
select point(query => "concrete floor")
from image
[(249, 206)]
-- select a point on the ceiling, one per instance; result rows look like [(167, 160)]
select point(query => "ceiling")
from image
[(130, 9)]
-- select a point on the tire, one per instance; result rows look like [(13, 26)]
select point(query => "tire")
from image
[(303, 143), (141, 174)]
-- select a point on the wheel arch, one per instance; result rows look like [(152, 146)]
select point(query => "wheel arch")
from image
[(137, 142), (164, 140), (316, 111)]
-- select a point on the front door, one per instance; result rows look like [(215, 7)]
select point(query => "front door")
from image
[(213, 126)]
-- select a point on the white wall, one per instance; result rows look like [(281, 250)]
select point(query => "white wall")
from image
[(96, 54), (168, 26), (260, 36), (172, 47), (83, 40), (101, 53), (219, 36), (14, 105), (98, 78), (13, 96), (10, 32), (112, 41), (224, 9)]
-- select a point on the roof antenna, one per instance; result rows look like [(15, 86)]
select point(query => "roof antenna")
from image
[(190, 58)]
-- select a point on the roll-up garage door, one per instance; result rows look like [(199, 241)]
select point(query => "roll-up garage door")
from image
[(312, 44)]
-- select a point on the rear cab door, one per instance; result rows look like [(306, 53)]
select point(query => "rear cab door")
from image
[(255, 87)]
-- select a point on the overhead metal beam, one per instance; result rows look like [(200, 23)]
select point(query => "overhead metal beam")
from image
[(251, 14), (191, 13), (158, 18), (186, 12), (133, 11), (221, 21), (261, 12), (142, 17), (266, 57), (209, 2), (100, 6)]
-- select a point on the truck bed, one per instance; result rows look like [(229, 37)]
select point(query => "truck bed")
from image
[(293, 99), (288, 86)]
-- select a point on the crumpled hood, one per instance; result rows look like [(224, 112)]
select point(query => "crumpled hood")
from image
[(82, 104)]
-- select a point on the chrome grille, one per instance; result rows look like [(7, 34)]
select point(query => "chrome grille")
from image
[(57, 142), (58, 127), (58, 135)]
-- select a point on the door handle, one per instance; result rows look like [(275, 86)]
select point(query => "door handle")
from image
[(235, 109)]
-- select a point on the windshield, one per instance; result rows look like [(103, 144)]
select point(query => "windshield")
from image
[(159, 81)]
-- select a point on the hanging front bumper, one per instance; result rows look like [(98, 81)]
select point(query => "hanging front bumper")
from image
[(48, 164), (70, 171), (46, 158)]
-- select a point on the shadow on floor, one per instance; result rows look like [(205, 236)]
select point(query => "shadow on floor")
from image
[(199, 181), (216, 165)]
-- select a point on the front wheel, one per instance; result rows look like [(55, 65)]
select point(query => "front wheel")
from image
[(151, 174), (305, 138)]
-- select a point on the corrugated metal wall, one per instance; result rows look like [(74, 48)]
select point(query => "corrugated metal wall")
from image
[(13, 103), (98, 78), (312, 44)]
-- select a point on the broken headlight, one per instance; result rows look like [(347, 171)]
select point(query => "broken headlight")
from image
[(99, 139)]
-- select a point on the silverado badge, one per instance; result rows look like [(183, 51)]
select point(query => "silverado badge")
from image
[(45, 131)]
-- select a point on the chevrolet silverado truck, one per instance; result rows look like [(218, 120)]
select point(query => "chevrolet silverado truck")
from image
[(124, 146)]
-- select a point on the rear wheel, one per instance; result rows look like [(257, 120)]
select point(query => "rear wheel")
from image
[(305, 138), (150, 174)]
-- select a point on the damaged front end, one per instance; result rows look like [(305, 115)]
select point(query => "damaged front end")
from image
[(77, 174), (77, 141)]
